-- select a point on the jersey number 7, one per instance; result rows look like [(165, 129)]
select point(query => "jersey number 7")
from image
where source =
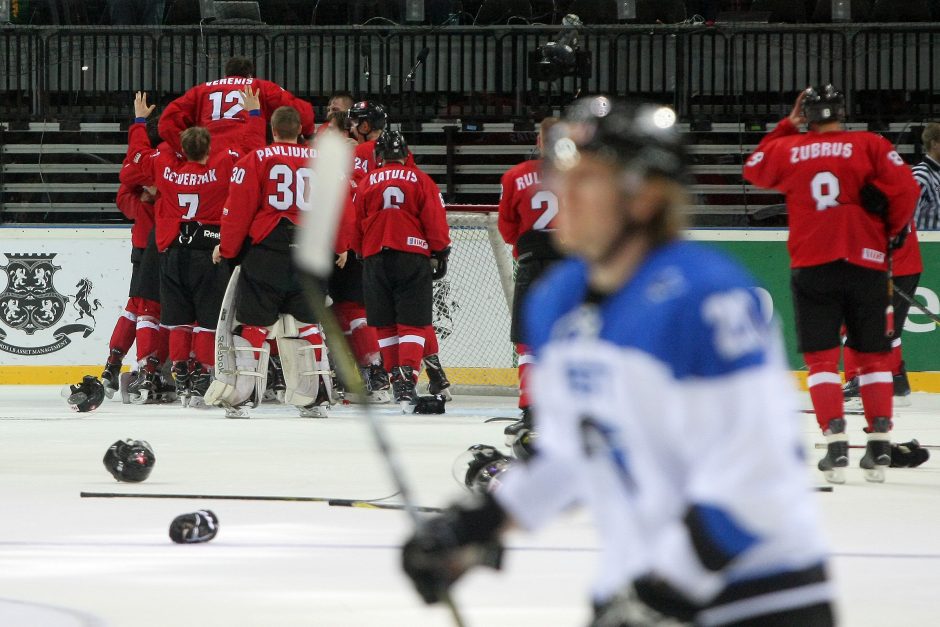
[(190, 202)]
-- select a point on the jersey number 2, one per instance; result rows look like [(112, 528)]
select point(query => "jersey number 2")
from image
[(544, 201), (825, 189)]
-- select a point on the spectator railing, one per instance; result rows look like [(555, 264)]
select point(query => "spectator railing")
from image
[(887, 71)]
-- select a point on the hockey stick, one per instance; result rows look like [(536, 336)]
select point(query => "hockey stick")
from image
[(222, 497), (932, 447), (314, 253), (913, 302), (371, 505)]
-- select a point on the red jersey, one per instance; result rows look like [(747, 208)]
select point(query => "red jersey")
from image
[(188, 191), (399, 207), (217, 106), (364, 160), (129, 202), (523, 204), (906, 260), (821, 175)]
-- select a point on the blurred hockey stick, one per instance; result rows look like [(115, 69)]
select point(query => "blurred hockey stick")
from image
[(913, 302), (932, 447), (313, 253), (223, 497)]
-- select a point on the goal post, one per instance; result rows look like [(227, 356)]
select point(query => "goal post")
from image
[(472, 304)]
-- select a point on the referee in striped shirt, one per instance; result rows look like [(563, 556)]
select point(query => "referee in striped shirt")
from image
[(927, 173)]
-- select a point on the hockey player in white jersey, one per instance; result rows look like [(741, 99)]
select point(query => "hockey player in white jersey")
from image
[(663, 405)]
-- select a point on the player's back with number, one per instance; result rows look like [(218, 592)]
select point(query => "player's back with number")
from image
[(399, 207), (822, 176), (525, 205), (268, 185)]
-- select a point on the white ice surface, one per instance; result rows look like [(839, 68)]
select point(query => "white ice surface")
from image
[(94, 561)]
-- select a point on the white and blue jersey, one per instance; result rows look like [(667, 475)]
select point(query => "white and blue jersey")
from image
[(666, 408)]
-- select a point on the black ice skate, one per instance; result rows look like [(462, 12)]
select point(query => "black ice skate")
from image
[(183, 381), (144, 389), (199, 379), (320, 407), (515, 430), (276, 385), (378, 384), (902, 388), (835, 462), (111, 376), (877, 456), (851, 394), (437, 378), (403, 387)]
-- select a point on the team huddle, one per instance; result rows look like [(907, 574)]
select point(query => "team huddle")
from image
[(216, 212)]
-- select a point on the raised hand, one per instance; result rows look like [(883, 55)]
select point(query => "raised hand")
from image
[(141, 109), (251, 99)]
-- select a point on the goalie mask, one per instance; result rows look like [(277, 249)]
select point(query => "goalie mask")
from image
[(823, 104), (130, 460), (86, 396), (478, 467)]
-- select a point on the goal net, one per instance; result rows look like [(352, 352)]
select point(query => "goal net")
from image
[(472, 303)]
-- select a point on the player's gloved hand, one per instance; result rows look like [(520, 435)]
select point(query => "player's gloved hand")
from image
[(439, 264), (649, 602), (446, 546), (898, 240), (908, 454), (873, 200)]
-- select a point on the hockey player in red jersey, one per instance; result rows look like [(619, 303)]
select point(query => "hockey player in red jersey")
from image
[(192, 191), (526, 218), (218, 106), (849, 198), (906, 268), (340, 103), (270, 189), (400, 224), (367, 121)]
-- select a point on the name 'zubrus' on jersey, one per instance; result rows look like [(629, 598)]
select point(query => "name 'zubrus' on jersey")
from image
[(217, 106), (268, 185), (822, 175), (524, 205), (399, 207), (188, 191)]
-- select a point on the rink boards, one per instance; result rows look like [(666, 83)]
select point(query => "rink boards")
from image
[(63, 288)]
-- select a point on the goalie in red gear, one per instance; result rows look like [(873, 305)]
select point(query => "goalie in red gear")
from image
[(404, 240), (526, 218), (840, 239), (219, 107)]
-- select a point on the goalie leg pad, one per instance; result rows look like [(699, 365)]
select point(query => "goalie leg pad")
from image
[(302, 371), (238, 373)]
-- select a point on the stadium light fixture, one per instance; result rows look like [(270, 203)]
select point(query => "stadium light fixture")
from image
[(841, 10), (414, 10), (626, 10)]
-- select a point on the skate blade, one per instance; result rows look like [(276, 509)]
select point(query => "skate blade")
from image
[(875, 475), (109, 392), (853, 403), (836, 475), (314, 412), (236, 413), (141, 398), (406, 407), (902, 401), (379, 397)]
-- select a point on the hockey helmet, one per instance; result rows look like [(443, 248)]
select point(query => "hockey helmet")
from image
[(640, 137), (481, 464), (366, 111), (85, 396), (823, 104), (130, 460), (390, 146)]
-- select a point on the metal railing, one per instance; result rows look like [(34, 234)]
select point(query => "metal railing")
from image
[(888, 71)]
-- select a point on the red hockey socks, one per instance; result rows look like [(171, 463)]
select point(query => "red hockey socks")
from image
[(850, 362), (256, 336), (363, 339), (825, 385), (411, 342), (897, 358), (125, 329), (875, 385), (311, 333), (525, 360), (431, 347), (388, 344), (163, 347), (204, 346), (181, 343)]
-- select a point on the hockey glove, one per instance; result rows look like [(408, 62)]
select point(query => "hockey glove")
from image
[(908, 455), (873, 200), (439, 264), (649, 602), (898, 240), (446, 546)]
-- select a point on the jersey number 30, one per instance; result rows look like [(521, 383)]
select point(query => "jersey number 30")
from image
[(290, 188)]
